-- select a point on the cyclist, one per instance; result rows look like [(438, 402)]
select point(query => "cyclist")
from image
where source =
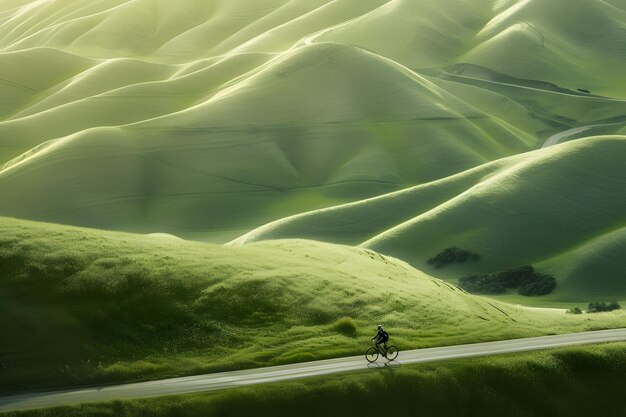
[(381, 337)]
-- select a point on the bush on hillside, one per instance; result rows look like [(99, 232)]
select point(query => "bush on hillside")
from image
[(575, 310), (542, 284), (451, 255), (345, 326), (602, 307), (516, 277), (524, 278), (482, 284)]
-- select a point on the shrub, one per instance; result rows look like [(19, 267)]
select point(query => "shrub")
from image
[(516, 277), (524, 278), (575, 310), (482, 284), (453, 254), (542, 284), (602, 307), (346, 326)]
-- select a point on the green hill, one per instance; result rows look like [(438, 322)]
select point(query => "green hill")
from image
[(208, 119), (575, 50), (531, 212), (84, 306), (592, 268), (576, 44), (559, 207), (246, 156)]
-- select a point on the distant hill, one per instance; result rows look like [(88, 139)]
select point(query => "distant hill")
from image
[(247, 155), (207, 119), (561, 207)]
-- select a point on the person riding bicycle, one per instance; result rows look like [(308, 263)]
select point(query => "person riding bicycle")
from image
[(381, 337)]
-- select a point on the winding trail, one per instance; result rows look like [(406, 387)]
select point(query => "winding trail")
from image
[(226, 380)]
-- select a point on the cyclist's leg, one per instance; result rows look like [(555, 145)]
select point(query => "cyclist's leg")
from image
[(382, 347)]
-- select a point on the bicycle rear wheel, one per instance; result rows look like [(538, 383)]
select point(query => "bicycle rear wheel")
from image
[(392, 353), (371, 355)]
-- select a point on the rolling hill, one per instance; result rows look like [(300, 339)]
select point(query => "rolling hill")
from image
[(246, 156), (209, 119), (85, 306), (560, 207)]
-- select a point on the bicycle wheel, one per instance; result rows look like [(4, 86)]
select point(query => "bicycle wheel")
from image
[(371, 355), (392, 352)]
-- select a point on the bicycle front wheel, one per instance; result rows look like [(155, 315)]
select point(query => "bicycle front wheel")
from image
[(371, 355), (392, 352)]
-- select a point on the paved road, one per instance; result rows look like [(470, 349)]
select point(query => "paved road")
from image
[(235, 379), (582, 131)]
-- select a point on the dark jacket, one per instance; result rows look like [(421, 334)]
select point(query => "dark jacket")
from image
[(382, 336)]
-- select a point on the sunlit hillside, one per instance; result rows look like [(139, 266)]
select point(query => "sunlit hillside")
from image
[(87, 306), (208, 119)]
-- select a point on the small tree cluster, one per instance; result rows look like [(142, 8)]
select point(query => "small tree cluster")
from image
[(575, 310), (451, 255), (527, 281), (600, 307), (482, 284), (540, 284)]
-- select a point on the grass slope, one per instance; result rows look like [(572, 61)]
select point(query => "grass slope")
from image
[(551, 206), (87, 306), (566, 381), (591, 268), (576, 44), (180, 89), (245, 156), (557, 108), (553, 36)]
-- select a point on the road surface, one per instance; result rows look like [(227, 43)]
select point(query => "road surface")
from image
[(225, 380), (582, 131)]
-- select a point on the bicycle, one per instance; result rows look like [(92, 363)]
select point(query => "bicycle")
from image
[(390, 353)]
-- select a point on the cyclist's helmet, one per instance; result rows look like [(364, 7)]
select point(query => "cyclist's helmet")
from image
[(380, 326)]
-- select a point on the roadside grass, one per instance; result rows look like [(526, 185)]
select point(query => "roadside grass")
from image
[(573, 381), (81, 306)]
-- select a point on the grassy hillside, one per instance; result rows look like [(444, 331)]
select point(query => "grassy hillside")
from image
[(536, 210), (546, 207), (84, 306), (557, 108), (210, 118), (575, 44), (592, 268), (566, 381), (246, 156), (553, 36)]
